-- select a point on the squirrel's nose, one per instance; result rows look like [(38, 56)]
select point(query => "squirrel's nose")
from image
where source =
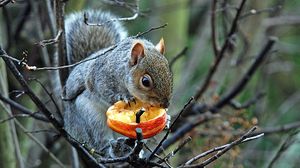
[(165, 103)]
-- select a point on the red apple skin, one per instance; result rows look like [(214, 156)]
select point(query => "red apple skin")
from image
[(149, 128)]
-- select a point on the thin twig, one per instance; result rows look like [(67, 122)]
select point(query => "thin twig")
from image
[(58, 111), (206, 112), (276, 129), (90, 159), (23, 109), (9, 31), (14, 116), (181, 145), (39, 31), (42, 131), (55, 40), (156, 155), (214, 27), (175, 58), (149, 30), (16, 93), (111, 20), (170, 129), (220, 148), (36, 140), (130, 6), (187, 127), (62, 47), (256, 12), (34, 68), (22, 20), (281, 21), (133, 17), (237, 106), (5, 2), (29, 92), (51, 18), (283, 147), (242, 83), (224, 150)]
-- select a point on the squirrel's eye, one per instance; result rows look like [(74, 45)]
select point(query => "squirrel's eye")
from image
[(146, 81)]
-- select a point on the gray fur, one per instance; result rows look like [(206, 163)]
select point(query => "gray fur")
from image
[(83, 40), (95, 85)]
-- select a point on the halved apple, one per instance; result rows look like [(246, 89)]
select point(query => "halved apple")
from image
[(121, 118)]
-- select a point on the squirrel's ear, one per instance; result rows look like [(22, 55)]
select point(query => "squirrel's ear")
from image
[(160, 46), (137, 51)]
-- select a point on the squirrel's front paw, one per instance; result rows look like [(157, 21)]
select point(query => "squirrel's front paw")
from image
[(127, 99)]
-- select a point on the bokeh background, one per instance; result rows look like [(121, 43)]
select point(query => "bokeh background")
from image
[(274, 87)]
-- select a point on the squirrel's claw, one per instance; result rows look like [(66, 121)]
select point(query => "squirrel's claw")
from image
[(126, 98), (129, 99)]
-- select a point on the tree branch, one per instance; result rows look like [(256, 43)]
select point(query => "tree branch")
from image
[(47, 113), (59, 6), (179, 55), (170, 129), (23, 109), (223, 149), (214, 27), (206, 112), (5, 2)]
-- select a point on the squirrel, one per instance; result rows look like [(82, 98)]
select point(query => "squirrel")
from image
[(119, 68)]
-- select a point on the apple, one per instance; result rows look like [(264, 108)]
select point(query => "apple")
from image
[(121, 117)]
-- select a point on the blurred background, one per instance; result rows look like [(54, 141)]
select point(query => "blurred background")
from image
[(273, 91)]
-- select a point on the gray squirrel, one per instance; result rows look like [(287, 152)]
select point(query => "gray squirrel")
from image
[(121, 68)]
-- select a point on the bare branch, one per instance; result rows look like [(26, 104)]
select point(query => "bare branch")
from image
[(22, 20), (14, 116), (214, 27), (180, 54), (111, 20), (44, 43), (92, 161), (285, 145), (281, 21), (130, 6), (220, 148), (16, 93), (149, 30), (242, 83), (23, 109), (238, 106), (277, 129), (135, 15), (34, 68), (170, 129), (35, 139), (206, 112), (5, 2), (62, 47), (225, 149), (260, 11), (187, 127), (58, 111), (180, 146), (42, 131)]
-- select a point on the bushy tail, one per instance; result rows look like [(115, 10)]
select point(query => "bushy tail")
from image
[(83, 40)]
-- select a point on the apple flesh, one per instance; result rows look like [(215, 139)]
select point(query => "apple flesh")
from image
[(121, 118)]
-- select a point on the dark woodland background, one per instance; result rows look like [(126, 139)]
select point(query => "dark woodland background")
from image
[(197, 32)]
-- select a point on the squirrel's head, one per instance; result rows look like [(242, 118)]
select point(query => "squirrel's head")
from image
[(150, 76)]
